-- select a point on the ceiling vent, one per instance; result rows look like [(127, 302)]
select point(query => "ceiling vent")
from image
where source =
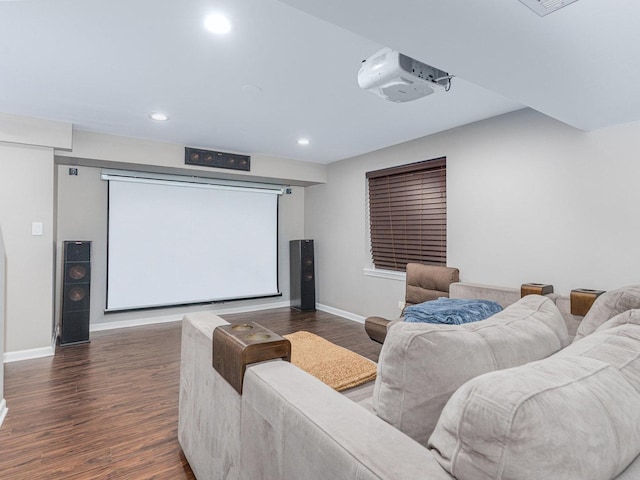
[(544, 7)]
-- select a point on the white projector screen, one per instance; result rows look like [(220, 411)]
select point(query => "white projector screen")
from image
[(175, 243)]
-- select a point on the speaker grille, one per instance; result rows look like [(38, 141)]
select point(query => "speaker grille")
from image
[(77, 251), (75, 328), (302, 275), (76, 298), (76, 293), (77, 272)]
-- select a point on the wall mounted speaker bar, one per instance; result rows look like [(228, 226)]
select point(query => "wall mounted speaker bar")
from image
[(210, 158)]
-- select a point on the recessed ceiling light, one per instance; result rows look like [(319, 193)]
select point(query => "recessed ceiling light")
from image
[(217, 23), (303, 141), (160, 117)]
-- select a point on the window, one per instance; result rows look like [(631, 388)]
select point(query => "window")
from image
[(408, 214)]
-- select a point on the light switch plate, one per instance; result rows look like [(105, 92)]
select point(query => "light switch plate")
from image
[(37, 228)]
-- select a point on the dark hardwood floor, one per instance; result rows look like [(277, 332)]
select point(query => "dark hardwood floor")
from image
[(346, 333), (109, 409)]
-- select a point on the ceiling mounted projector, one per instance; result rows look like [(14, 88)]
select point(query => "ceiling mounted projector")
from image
[(398, 78)]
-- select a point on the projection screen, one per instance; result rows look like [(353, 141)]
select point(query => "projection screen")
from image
[(175, 243)]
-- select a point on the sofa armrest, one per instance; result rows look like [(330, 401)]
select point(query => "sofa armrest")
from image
[(294, 426), (376, 328), (209, 408)]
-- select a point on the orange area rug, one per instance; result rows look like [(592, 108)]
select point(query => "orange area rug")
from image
[(336, 366)]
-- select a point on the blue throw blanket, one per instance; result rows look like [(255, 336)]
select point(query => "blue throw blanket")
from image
[(452, 311)]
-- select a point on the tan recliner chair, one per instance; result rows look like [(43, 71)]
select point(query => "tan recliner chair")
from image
[(424, 283)]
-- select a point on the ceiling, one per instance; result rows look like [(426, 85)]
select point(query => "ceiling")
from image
[(579, 64), (288, 69)]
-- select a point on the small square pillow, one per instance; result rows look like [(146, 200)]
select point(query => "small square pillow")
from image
[(607, 306)]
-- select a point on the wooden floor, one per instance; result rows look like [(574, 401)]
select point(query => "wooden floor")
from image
[(340, 331), (109, 409)]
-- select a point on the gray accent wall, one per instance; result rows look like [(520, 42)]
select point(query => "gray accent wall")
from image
[(26, 196), (82, 215), (530, 199), (34, 188)]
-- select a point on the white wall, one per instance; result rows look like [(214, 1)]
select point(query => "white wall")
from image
[(529, 199), (82, 215)]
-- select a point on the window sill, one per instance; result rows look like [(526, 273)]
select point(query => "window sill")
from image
[(390, 274)]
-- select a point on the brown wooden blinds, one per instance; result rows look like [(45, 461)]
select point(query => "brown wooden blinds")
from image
[(408, 214)]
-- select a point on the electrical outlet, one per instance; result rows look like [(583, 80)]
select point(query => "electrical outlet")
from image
[(401, 304)]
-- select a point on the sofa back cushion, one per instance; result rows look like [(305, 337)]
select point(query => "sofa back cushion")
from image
[(574, 416), (607, 306), (428, 282), (421, 365), (505, 296)]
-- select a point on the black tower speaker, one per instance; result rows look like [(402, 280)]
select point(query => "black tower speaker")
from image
[(75, 290), (302, 275)]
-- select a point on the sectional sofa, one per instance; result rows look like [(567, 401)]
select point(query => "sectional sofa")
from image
[(511, 397)]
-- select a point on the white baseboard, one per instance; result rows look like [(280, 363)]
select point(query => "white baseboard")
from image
[(29, 354), (340, 313), (3, 410), (97, 327), (252, 308), (136, 322)]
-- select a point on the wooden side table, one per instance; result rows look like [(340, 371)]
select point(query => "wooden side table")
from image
[(236, 346)]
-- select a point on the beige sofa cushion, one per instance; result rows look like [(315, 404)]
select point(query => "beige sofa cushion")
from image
[(624, 318), (422, 364), (607, 306), (574, 416), (428, 282), (505, 296)]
